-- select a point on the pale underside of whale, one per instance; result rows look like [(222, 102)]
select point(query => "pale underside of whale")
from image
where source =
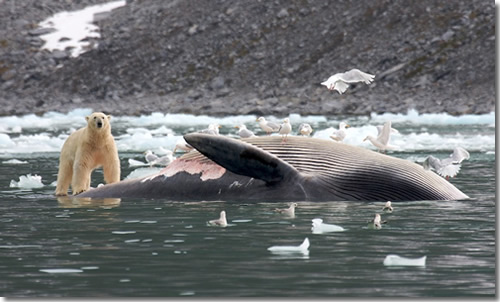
[(267, 169)]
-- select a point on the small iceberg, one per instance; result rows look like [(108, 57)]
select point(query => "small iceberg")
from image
[(318, 227), (137, 163), (395, 260), (61, 270), (27, 182), (284, 249), (14, 162)]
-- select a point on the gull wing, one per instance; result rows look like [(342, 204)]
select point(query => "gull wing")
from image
[(385, 134), (246, 133), (432, 163), (449, 170), (356, 75), (459, 154), (274, 126), (340, 86)]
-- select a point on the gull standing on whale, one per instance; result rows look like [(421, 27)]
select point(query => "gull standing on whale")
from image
[(339, 81), (305, 129), (243, 132), (447, 167), (339, 135), (212, 129), (285, 129), (268, 127), (181, 144)]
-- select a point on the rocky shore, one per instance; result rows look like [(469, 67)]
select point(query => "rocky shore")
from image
[(255, 57)]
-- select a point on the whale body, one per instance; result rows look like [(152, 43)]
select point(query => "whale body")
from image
[(267, 169)]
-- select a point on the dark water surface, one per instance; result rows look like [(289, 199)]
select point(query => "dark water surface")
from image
[(137, 247)]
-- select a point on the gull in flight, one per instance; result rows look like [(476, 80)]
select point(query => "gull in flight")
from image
[(339, 135), (339, 81), (305, 129), (268, 127), (222, 222), (382, 140), (243, 132), (285, 129), (447, 167)]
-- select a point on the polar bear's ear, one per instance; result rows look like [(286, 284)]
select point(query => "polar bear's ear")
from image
[(108, 116), (87, 118)]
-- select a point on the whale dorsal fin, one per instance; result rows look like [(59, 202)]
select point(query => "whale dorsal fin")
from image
[(242, 158)]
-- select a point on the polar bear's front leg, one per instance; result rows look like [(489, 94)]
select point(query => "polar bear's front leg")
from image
[(81, 177), (111, 171)]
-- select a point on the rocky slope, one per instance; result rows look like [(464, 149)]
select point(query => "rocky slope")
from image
[(256, 57)]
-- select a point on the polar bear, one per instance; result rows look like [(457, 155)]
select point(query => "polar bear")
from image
[(85, 150)]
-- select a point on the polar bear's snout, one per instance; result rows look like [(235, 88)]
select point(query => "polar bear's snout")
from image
[(99, 123)]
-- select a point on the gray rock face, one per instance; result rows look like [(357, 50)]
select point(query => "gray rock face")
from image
[(253, 57)]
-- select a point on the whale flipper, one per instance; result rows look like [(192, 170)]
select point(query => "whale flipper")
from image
[(242, 158)]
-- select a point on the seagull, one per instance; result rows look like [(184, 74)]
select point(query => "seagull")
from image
[(339, 81), (388, 207), (382, 140), (303, 248), (289, 211), (447, 167), (339, 135), (181, 144), (305, 129), (222, 222), (164, 160), (150, 157), (377, 222), (244, 132), (285, 129), (268, 127), (318, 227), (212, 129)]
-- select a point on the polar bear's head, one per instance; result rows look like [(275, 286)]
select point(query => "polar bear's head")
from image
[(98, 120)]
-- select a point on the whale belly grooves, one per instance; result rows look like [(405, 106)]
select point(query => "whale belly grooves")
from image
[(357, 173), (265, 169)]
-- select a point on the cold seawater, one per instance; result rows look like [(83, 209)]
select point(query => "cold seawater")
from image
[(138, 247)]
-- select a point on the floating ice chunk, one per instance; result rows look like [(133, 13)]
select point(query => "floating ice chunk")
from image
[(318, 227), (395, 260), (123, 232), (303, 248), (142, 172), (136, 163), (14, 162), (27, 182), (61, 270)]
